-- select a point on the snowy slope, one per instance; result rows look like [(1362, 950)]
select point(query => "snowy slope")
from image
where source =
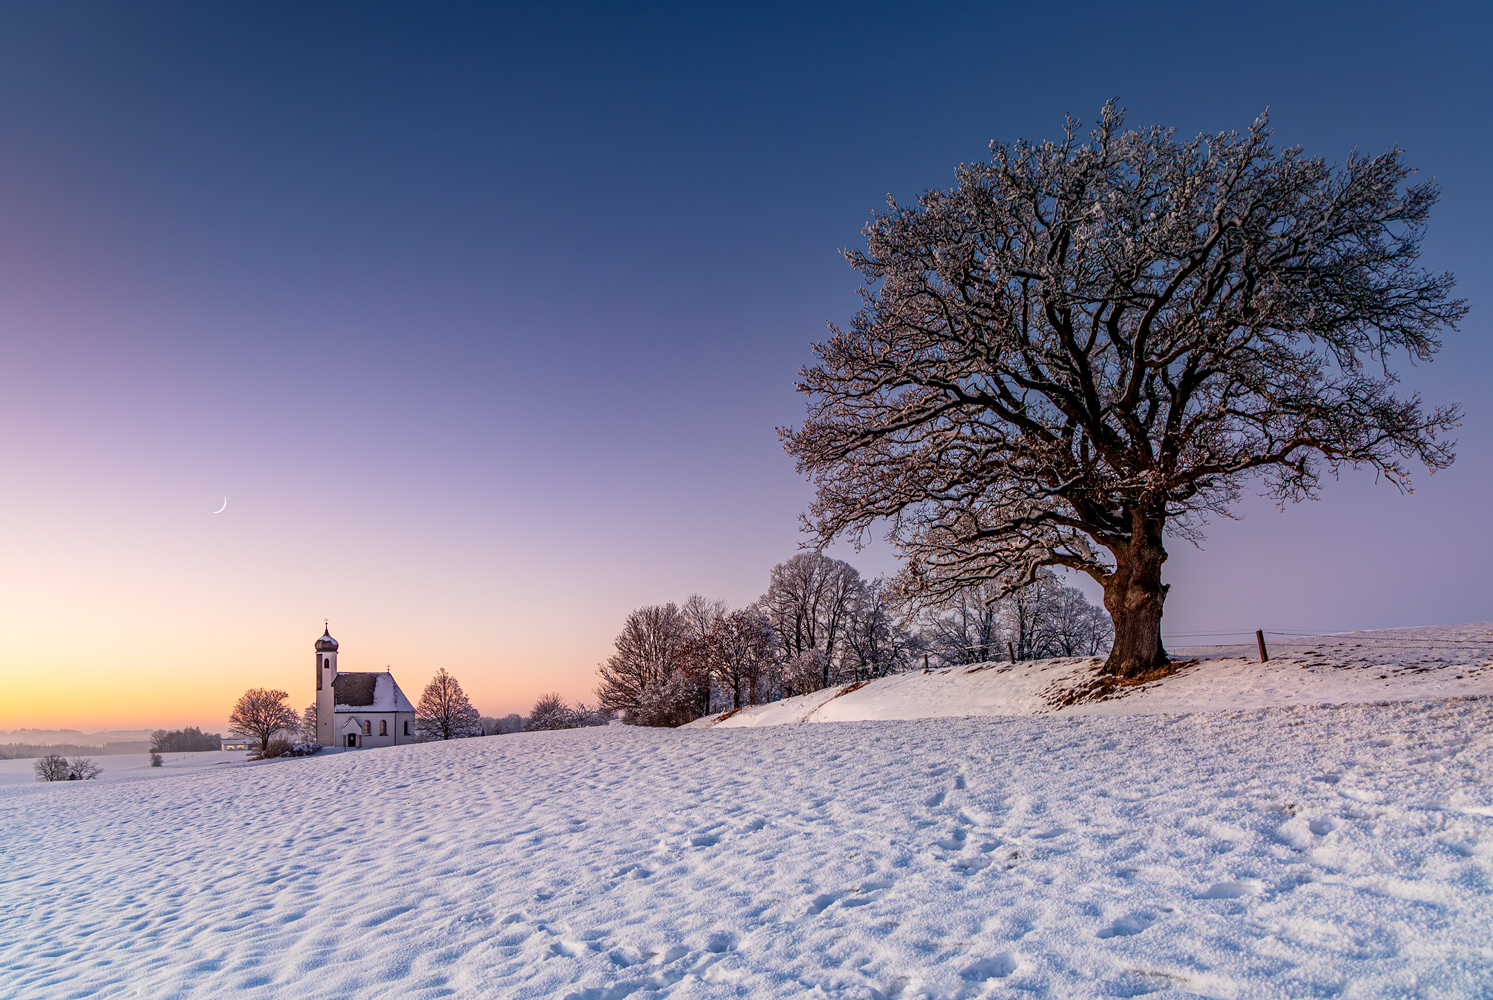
[(1343, 851), (1356, 667)]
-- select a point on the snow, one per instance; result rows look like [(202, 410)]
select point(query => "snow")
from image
[(387, 695), (1303, 850), (1349, 668)]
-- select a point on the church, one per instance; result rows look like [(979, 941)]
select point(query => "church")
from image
[(358, 709)]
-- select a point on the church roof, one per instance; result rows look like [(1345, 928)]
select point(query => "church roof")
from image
[(368, 692)]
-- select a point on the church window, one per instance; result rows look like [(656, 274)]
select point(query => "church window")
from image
[(406, 727), (368, 728), (383, 727)]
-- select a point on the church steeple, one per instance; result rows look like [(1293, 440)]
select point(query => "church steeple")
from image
[(326, 673)]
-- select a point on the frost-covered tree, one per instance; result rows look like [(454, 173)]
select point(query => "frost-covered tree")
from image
[(1044, 618), (743, 654), (700, 658), (262, 714), (809, 601), (1087, 346), (549, 712), (878, 641), (965, 627), (1077, 627), (640, 680), (444, 712), (308, 725)]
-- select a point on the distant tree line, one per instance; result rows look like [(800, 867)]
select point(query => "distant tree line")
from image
[(821, 623), (21, 751), (189, 740)]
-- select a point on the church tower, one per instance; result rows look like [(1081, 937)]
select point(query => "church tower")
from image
[(326, 674)]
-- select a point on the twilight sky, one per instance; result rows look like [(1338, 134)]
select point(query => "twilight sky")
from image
[(482, 317)]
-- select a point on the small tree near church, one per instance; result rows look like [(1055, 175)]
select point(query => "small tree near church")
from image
[(262, 714), (444, 713)]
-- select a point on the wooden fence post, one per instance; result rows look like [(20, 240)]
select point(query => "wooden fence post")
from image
[(1011, 651), (1260, 638)]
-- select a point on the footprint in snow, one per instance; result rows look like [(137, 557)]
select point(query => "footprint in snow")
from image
[(1237, 889), (995, 967), (1134, 923)]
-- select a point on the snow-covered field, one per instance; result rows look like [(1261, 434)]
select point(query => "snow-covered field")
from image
[(1304, 851)]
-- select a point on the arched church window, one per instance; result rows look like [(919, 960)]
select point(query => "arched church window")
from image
[(368, 728), (383, 727)]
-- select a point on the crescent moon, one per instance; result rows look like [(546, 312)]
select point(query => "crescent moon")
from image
[(222, 508)]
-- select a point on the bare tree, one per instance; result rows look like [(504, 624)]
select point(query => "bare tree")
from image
[(444, 712), (640, 680), (1086, 346), (809, 601), (743, 655), (52, 767), (877, 642), (965, 627), (700, 654), (1044, 618), (262, 714)]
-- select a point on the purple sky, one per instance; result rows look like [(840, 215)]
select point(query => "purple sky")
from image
[(482, 319)]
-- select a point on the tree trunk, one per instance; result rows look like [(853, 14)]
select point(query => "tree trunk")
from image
[(1133, 596)]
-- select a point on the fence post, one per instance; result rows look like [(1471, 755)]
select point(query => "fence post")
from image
[(925, 663), (1260, 638), (1011, 651)]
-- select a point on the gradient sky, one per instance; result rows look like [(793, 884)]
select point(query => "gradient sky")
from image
[(482, 318)]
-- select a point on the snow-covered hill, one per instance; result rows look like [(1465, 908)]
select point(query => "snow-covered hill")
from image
[(1348, 668)]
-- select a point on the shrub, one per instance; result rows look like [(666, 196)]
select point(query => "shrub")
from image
[(304, 749), (274, 748), (155, 759)]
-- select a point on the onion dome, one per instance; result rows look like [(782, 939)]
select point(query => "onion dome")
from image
[(326, 644)]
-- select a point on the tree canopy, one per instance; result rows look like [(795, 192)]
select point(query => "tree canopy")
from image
[(445, 712), (262, 714), (1088, 345)]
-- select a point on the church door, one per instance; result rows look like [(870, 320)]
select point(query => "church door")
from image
[(352, 739)]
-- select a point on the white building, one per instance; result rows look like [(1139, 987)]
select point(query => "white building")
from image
[(358, 709)]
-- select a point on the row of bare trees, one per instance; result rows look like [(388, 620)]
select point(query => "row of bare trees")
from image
[(821, 623)]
